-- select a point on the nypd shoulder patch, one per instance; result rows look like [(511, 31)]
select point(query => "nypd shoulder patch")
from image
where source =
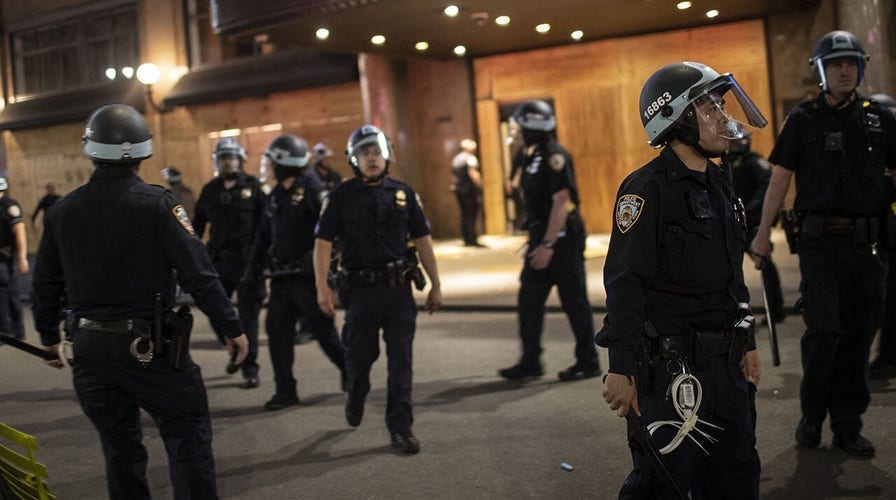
[(180, 214), (557, 162), (628, 209), (14, 211)]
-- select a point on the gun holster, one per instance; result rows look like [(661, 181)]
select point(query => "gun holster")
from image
[(791, 222), (176, 329)]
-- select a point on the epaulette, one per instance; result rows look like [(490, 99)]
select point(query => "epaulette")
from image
[(638, 180)]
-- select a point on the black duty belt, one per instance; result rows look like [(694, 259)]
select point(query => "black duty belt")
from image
[(834, 225), (702, 348), (125, 326)]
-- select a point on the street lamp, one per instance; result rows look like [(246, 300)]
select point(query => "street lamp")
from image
[(148, 74)]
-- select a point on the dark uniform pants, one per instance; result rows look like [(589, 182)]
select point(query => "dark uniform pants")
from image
[(10, 303), (886, 346), (112, 387), (567, 271), (469, 213), (291, 296), (842, 285), (731, 469), (393, 309), (250, 296)]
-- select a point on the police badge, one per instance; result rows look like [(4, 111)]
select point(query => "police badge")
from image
[(628, 209), (401, 198)]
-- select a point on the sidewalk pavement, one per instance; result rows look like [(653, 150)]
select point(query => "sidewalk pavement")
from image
[(482, 437)]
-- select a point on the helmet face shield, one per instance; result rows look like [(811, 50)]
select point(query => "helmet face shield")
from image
[(730, 116), (369, 144)]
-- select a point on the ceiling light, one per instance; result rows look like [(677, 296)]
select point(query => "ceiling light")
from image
[(110, 73), (421, 46), (377, 39), (543, 28), (460, 50), (322, 33), (451, 10), (577, 35), (712, 13), (127, 72), (502, 20), (683, 5)]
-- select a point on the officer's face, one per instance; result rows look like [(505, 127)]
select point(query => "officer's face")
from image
[(371, 161), (228, 165), (713, 121), (842, 75)]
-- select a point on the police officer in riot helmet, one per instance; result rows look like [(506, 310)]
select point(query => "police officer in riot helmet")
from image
[(320, 159), (117, 275), (232, 204), (13, 259), (283, 245), (555, 254), (749, 173), (839, 145), (375, 217), (679, 319), (884, 364)]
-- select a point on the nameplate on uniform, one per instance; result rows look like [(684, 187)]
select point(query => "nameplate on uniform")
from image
[(628, 209)]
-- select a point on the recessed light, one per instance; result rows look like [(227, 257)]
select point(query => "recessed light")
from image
[(712, 13), (502, 20), (683, 5), (577, 35), (451, 10), (543, 28), (421, 46), (322, 34), (110, 73), (377, 39), (127, 72), (460, 50)]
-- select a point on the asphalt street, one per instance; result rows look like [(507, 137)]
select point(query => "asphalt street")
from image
[(481, 436)]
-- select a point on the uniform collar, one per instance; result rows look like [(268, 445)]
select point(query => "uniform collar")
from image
[(113, 173)]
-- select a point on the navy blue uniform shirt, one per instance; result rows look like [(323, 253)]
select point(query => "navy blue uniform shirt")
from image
[(675, 257), (287, 228), (373, 223), (839, 156), (546, 170), (111, 245), (234, 214)]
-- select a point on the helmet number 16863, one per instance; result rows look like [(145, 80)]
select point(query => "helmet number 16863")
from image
[(657, 104)]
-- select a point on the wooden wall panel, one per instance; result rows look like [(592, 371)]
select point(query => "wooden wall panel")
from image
[(595, 88)]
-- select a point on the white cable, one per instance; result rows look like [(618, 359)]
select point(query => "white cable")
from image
[(687, 412)]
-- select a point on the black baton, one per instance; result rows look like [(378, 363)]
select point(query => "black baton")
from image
[(639, 434), (772, 329), (30, 349)]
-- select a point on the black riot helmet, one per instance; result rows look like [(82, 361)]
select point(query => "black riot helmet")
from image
[(229, 145), (117, 133), (362, 136), (288, 154), (536, 121), (834, 45), (669, 96)]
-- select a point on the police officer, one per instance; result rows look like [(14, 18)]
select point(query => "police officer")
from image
[(109, 252), (285, 241), (182, 193), (556, 251), (839, 144), (678, 319), (749, 173), (233, 204), (467, 189), (373, 216), (320, 158), (13, 257), (884, 364)]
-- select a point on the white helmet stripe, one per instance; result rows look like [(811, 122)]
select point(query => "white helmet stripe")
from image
[(99, 151)]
